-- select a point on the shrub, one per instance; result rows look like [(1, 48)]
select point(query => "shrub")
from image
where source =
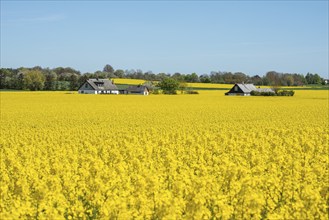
[(156, 92), (169, 92), (257, 93), (285, 93), (191, 92)]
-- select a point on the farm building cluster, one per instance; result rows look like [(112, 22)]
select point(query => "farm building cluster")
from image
[(106, 86)]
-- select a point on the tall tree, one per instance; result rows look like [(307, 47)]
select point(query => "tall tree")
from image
[(5, 76), (216, 77), (108, 68), (274, 80), (193, 77), (257, 80), (178, 76), (74, 82), (169, 86), (34, 80), (287, 79), (119, 73), (205, 78), (50, 80)]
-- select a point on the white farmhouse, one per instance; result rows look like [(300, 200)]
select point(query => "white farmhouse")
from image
[(98, 86)]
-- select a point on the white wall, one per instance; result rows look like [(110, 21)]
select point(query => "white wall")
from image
[(82, 91)]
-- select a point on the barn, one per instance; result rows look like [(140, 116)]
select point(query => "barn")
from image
[(137, 90), (98, 86), (241, 89)]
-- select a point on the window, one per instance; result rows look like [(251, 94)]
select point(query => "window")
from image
[(86, 85), (235, 88)]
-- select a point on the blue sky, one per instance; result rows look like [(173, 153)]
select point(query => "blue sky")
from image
[(167, 36)]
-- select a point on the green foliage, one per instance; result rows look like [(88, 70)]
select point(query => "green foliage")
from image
[(257, 93), (34, 80), (108, 69), (313, 78), (277, 93), (285, 93), (155, 92), (119, 73), (182, 87), (50, 81), (62, 85), (5, 76), (74, 83), (169, 86), (191, 92), (14, 78)]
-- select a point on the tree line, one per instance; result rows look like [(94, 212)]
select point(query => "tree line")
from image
[(67, 78)]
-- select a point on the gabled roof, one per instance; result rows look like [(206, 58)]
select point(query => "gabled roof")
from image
[(264, 90), (139, 88), (246, 88), (101, 84)]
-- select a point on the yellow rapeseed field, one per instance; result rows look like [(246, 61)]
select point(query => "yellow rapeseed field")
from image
[(206, 156), (128, 81), (210, 85)]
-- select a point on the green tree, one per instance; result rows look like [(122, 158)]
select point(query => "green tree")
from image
[(19, 81), (74, 82), (5, 76), (317, 79), (274, 80), (169, 86), (287, 80), (34, 80), (193, 77), (119, 73), (182, 87), (178, 76), (50, 80), (108, 68), (257, 80), (205, 78), (313, 78)]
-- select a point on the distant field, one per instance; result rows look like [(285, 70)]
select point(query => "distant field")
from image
[(214, 86), (210, 85), (128, 81)]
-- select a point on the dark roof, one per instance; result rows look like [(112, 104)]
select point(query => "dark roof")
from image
[(139, 88), (102, 84)]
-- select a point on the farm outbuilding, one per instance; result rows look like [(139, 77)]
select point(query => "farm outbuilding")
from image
[(241, 89), (98, 86), (138, 90)]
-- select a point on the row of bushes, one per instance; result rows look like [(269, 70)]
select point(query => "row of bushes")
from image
[(285, 93), (277, 93), (191, 92), (257, 93), (174, 92)]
